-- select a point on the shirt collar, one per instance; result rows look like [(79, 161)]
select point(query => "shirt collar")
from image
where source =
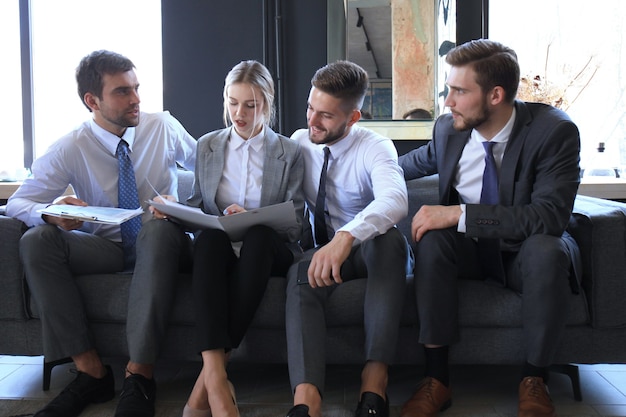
[(340, 147), (236, 141), (503, 135), (109, 140)]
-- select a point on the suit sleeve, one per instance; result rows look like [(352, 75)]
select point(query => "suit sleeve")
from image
[(422, 161)]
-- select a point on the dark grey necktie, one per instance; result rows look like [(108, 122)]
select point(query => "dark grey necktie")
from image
[(321, 232), (127, 198)]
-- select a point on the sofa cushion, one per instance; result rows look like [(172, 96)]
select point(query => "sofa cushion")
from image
[(13, 285), (480, 305)]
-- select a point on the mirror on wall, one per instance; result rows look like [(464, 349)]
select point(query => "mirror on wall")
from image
[(401, 44)]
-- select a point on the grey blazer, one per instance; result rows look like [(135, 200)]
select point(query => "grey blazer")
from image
[(283, 171)]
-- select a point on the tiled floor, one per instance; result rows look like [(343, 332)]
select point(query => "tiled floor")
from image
[(477, 391)]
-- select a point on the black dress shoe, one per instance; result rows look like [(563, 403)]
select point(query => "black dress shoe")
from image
[(372, 405), (137, 397), (299, 410), (81, 392)]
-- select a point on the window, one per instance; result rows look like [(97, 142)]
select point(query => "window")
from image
[(572, 54), (11, 139), (64, 31)]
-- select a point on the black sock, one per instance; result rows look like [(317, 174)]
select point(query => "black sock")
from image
[(532, 370), (436, 364)]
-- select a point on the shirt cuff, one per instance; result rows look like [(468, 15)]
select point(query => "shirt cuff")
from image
[(460, 227)]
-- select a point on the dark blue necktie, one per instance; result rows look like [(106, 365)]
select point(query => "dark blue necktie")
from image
[(321, 232), (489, 249), (127, 198), (489, 194)]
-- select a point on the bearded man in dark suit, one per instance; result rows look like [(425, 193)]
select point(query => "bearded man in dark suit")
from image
[(508, 176)]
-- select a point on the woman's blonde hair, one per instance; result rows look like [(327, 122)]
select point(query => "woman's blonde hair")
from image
[(257, 75)]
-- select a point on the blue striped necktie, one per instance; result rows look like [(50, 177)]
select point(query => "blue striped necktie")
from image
[(127, 198)]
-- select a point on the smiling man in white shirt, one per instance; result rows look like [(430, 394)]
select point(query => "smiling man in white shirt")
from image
[(365, 197)]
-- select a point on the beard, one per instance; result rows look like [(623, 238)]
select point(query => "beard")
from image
[(124, 119), (462, 123), (330, 136)]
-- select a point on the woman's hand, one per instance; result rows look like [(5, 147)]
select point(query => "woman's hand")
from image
[(233, 209), (156, 213)]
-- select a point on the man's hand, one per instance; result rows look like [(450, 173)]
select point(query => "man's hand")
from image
[(66, 224), (326, 263), (159, 199), (434, 218)]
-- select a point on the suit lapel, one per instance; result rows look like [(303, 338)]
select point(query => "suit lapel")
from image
[(273, 168), (214, 168), (453, 148), (513, 152)]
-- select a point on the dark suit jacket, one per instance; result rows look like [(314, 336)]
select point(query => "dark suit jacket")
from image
[(283, 171), (539, 176)]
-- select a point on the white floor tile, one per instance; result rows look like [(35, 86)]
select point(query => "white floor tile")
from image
[(484, 391)]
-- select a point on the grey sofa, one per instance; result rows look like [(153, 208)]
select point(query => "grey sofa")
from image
[(490, 317)]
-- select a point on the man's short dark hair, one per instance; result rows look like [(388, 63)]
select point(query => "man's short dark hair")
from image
[(493, 63), (344, 80), (92, 68)]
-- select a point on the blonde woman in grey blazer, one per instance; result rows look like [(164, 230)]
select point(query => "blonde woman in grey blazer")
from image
[(244, 166)]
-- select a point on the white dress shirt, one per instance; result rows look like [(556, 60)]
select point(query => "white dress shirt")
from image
[(243, 172), (85, 159), (469, 176), (365, 189)]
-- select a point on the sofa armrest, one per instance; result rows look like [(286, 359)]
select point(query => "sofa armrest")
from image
[(12, 305), (599, 227)]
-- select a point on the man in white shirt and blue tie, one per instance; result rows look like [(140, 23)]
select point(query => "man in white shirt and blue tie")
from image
[(365, 196), (54, 250)]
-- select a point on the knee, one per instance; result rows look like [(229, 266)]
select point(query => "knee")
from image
[(157, 241), (209, 241), (258, 233), (391, 243), (157, 230), (543, 250), (298, 280), (211, 235), (433, 245), (544, 261), (39, 240)]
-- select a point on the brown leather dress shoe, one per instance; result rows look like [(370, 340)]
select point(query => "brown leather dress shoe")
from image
[(534, 398), (429, 399)]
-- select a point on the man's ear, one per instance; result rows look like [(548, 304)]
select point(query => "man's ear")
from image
[(497, 95), (354, 117), (92, 101)]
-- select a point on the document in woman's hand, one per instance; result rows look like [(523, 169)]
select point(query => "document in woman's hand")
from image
[(278, 216)]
